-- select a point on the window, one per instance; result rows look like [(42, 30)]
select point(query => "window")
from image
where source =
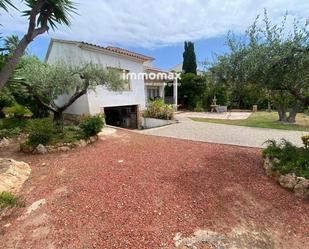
[(153, 93)]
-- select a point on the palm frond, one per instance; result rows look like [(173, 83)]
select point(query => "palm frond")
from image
[(57, 11), (5, 4)]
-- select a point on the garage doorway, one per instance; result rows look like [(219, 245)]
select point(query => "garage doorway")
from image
[(122, 116)]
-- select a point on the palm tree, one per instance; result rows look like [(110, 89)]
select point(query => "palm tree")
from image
[(42, 15), (4, 4), (11, 43)]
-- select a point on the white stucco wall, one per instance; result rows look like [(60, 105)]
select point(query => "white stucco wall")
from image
[(95, 100)]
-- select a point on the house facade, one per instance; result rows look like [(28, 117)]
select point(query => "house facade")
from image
[(121, 108)]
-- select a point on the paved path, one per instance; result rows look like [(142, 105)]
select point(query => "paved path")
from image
[(224, 134)]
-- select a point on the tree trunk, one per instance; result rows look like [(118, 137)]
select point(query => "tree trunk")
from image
[(282, 114), (13, 61), (268, 106), (32, 33), (58, 120), (292, 114)]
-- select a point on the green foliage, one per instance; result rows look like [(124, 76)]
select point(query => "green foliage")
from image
[(10, 43), (12, 123), (41, 131), (291, 159), (158, 109), (192, 90), (70, 134), (5, 4), (305, 140), (198, 107), (189, 58), (6, 100), (220, 91), (262, 120), (59, 12), (10, 133), (7, 199), (45, 83), (17, 111), (269, 59), (92, 125)]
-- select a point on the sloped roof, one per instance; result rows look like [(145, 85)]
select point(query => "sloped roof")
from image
[(110, 49), (153, 69), (129, 53)]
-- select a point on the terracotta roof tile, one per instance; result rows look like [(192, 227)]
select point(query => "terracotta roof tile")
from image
[(121, 51)]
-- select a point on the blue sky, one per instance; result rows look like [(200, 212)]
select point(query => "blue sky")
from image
[(166, 56), (159, 27)]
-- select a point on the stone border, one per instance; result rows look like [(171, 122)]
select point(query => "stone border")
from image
[(298, 185), (60, 147)]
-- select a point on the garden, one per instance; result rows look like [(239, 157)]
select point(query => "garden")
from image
[(34, 133), (267, 68), (30, 112)]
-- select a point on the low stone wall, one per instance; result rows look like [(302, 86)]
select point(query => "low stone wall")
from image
[(154, 122), (298, 185), (60, 147)]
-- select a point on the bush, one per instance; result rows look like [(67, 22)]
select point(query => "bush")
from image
[(158, 109), (9, 133), (17, 111), (198, 107), (12, 123), (8, 199), (305, 140), (291, 159), (5, 101), (70, 134), (40, 131), (91, 125)]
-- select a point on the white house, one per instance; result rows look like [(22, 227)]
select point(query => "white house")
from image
[(121, 108)]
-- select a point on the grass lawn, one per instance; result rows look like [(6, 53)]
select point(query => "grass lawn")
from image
[(263, 120)]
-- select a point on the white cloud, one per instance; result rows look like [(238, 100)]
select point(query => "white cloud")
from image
[(149, 24)]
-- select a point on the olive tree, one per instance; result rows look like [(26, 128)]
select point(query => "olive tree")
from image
[(47, 82), (272, 57)]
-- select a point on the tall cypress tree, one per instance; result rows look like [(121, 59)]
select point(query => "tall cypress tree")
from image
[(189, 58)]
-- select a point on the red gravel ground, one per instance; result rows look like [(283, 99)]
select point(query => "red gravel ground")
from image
[(137, 191)]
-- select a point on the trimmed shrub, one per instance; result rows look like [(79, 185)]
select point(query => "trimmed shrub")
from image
[(40, 131), (291, 159), (91, 125), (158, 109), (17, 111)]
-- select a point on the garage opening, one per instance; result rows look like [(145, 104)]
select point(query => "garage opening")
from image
[(122, 116)]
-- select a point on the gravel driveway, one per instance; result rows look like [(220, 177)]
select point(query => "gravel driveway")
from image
[(128, 191), (224, 134)]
